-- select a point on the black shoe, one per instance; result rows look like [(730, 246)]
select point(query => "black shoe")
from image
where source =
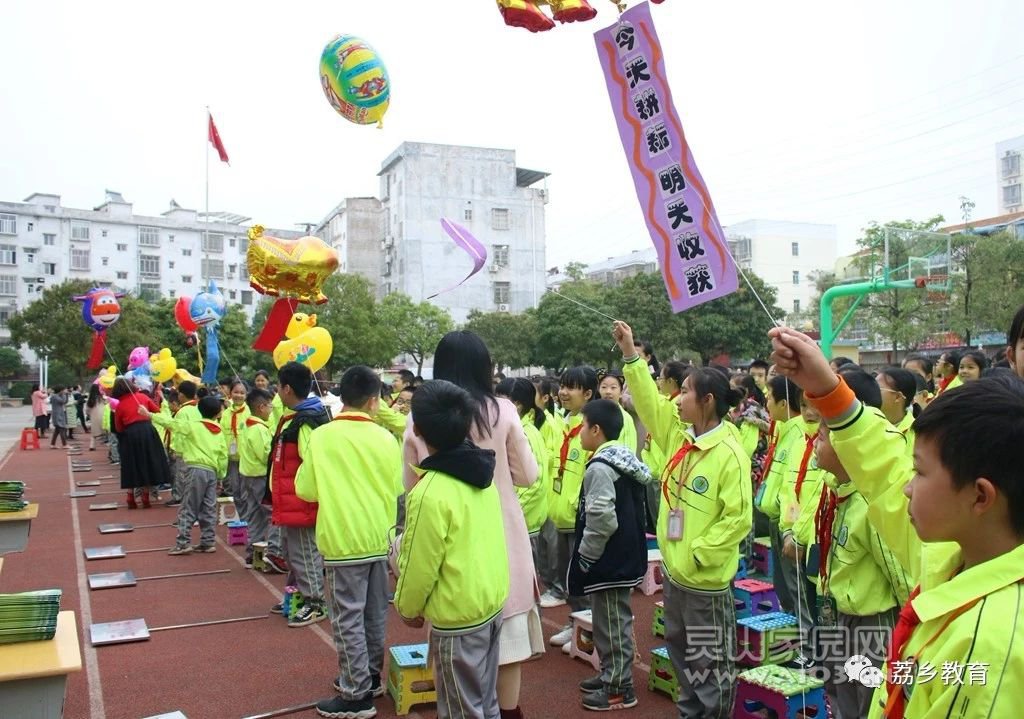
[(602, 701), (172, 503), (376, 688), (277, 608), (592, 684), (338, 708)]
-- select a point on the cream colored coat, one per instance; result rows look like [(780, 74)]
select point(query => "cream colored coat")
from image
[(514, 466)]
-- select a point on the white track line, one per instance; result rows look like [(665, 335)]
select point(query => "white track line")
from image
[(92, 667), (327, 638)]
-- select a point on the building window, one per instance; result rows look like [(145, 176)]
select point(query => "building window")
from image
[(8, 255), (8, 224), (30, 257), (501, 255), (796, 307), (104, 260), (149, 265), (232, 294), (149, 292), (79, 259), (4, 316), (1011, 195), (186, 253), (50, 268), (795, 249), (502, 292), (170, 264), (171, 294), (49, 240), (31, 227), (103, 233), (79, 230), (122, 247), (122, 275), (213, 242), (796, 277), (213, 269), (246, 297), (231, 242), (149, 237), (8, 285), (243, 272), (499, 218), (186, 279), (243, 244), (467, 215), (231, 270), (170, 238), (1011, 165)]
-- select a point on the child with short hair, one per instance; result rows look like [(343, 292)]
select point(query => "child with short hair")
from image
[(352, 469), (954, 518), (610, 551), (233, 423), (253, 452), (453, 562), (185, 412), (205, 455)]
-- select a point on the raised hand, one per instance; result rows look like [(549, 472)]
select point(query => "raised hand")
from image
[(623, 335), (798, 357)]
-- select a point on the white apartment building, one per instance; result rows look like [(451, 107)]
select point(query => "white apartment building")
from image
[(785, 255), (613, 270), (355, 229), (481, 189), (1009, 176), (43, 243)]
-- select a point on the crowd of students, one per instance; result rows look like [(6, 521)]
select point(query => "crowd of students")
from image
[(893, 503)]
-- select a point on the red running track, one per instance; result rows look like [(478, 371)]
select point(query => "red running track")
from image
[(225, 671)]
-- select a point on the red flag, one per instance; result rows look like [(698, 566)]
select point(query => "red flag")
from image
[(216, 141)]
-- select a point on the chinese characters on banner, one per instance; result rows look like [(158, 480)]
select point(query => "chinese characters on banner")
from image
[(691, 245)]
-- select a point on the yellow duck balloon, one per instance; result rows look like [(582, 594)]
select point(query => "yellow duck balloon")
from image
[(162, 366), (306, 343)]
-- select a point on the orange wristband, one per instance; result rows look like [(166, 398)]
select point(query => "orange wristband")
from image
[(836, 402)]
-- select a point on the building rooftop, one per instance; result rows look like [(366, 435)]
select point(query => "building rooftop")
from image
[(986, 226)]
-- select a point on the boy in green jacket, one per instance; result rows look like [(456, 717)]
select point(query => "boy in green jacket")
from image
[(253, 451), (352, 469), (954, 518), (205, 454), (453, 563)]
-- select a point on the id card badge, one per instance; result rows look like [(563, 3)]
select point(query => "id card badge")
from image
[(675, 524), (233, 449), (827, 612), (792, 512), (557, 485)]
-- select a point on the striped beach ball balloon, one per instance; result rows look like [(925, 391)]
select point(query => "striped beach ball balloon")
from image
[(355, 80)]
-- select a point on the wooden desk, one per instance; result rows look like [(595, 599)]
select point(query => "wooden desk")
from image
[(33, 675), (14, 527)]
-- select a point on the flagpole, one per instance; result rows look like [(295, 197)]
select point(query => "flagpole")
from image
[(206, 229)]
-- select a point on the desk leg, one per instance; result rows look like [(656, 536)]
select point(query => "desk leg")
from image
[(14, 535), (41, 698)]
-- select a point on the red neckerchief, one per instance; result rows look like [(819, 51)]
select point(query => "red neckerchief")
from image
[(234, 420), (804, 461), (357, 418), (826, 517), (563, 454), (673, 395), (945, 383), (769, 456), (677, 458), (212, 426)]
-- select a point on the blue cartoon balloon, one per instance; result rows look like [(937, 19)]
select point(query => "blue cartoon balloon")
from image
[(207, 310)]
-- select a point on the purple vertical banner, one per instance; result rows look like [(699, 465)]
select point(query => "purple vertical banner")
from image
[(692, 251)]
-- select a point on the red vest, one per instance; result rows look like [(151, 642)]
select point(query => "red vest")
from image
[(288, 510)]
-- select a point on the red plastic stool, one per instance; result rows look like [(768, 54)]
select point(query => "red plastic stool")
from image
[(29, 438)]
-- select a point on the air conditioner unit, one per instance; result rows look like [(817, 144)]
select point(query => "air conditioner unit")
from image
[(503, 308), (494, 269)]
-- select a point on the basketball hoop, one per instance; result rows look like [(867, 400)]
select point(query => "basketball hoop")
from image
[(937, 286)]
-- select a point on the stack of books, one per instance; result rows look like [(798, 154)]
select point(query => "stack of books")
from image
[(29, 616), (11, 496)]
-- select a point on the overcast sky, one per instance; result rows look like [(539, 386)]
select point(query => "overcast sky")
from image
[(807, 111)]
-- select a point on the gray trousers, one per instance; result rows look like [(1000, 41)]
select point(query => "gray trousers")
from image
[(275, 539), (867, 636), (563, 553), (177, 467), (779, 578), (613, 637), (358, 599), (803, 595), (231, 478), (700, 629), (466, 672), (249, 503), (198, 502), (545, 559), (305, 562), (113, 453)]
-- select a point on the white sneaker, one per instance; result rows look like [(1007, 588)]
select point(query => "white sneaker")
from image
[(563, 637), (566, 648), (549, 600)]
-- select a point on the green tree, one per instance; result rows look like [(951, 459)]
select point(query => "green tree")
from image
[(351, 316), (507, 336), (416, 328), (997, 283), (235, 338), (11, 363), (52, 326), (642, 302), (569, 334), (735, 324)]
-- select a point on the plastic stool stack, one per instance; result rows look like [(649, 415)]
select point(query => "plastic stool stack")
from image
[(410, 680), (772, 638), (780, 692)]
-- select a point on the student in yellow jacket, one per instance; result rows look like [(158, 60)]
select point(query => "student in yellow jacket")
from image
[(705, 513), (205, 455), (610, 388), (233, 424), (185, 412), (955, 518), (453, 562), (899, 390), (253, 453), (352, 469)]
